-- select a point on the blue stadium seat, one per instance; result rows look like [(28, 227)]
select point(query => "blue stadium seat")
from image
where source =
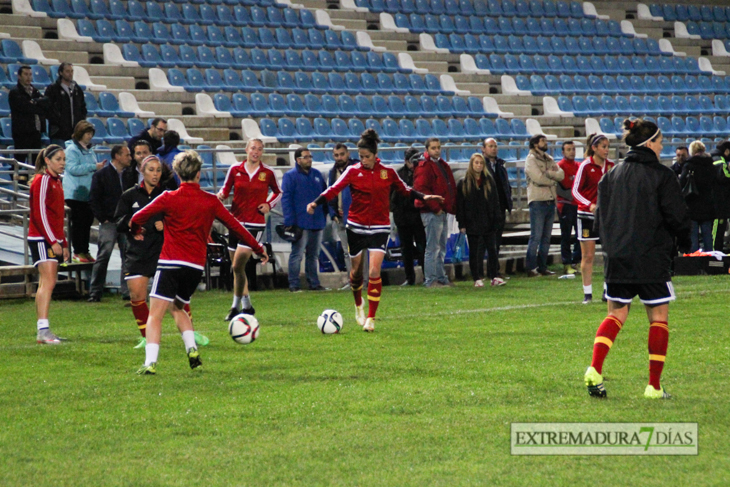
[(11, 53), (287, 132), (100, 135), (109, 104), (117, 131), (92, 107)]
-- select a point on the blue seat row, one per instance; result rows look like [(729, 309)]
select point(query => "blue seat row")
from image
[(114, 131), (709, 30), (301, 82), (445, 24), (10, 53), (41, 77), (581, 64), (481, 8), (106, 106), (276, 105), (622, 85), (677, 126), (168, 56), (338, 130), (597, 105), (195, 35), (116, 9), (683, 13)]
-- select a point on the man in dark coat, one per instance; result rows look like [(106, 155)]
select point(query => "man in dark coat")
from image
[(27, 113), (495, 166), (407, 219), (67, 105), (153, 136)]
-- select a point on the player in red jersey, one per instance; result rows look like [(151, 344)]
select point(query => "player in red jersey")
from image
[(255, 193), (46, 239), (368, 222), (585, 193), (188, 214)]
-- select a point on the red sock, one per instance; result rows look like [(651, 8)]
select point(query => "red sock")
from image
[(605, 336), (375, 288), (141, 313), (186, 307), (658, 341), (356, 286)]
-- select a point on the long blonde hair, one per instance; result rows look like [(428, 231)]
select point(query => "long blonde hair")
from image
[(472, 176)]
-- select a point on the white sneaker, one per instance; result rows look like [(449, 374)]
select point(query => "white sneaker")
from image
[(478, 283), (369, 325), (360, 315), (498, 282), (47, 337)]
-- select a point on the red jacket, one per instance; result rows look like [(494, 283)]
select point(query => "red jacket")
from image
[(47, 210), (435, 177), (370, 188), (570, 168), (188, 216), (585, 186), (249, 191)]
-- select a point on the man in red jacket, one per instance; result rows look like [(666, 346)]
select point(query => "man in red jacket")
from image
[(433, 176)]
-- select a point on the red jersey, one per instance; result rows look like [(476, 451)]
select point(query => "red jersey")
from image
[(585, 186), (188, 214), (47, 210), (370, 188), (249, 191), (570, 168)]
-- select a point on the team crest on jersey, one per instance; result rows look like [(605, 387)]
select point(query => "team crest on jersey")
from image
[(262, 177), (383, 174)]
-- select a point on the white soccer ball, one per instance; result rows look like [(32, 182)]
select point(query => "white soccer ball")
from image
[(329, 322), (244, 329)]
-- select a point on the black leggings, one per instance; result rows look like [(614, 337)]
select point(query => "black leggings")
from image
[(81, 220), (478, 245)]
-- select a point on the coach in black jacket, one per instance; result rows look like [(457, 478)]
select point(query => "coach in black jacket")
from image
[(107, 186), (27, 113), (67, 105), (495, 166)]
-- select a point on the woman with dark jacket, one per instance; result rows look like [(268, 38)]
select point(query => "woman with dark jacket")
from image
[(478, 214), (702, 204), (640, 210)]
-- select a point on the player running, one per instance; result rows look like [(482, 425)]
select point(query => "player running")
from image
[(47, 242), (640, 210), (255, 193), (585, 193), (368, 222), (188, 215)]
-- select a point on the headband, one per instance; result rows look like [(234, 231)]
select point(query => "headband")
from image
[(148, 159), (658, 130), (48, 154), (598, 139)]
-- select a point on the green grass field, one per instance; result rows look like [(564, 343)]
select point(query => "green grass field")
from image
[(426, 400)]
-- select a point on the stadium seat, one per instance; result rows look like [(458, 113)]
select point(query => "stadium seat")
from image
[(109, 104), (116, 131)]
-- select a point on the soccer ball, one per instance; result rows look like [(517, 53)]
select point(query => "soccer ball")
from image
[(244, 329), (329, 322)]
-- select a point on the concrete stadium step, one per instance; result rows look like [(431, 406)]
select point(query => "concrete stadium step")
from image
[(518, 110), (157, 96), (476, 89), (75, 57), (162, 109), (115, 82), (19, 31)]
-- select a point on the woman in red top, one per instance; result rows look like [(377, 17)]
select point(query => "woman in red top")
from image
[(46, 239), (368, 221), (255, 193), (585, 193), (188, 214)]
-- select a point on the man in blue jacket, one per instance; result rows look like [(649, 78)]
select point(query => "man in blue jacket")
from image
[(302, 185), (339, 206)]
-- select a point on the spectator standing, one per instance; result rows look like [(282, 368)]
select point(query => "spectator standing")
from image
[(585, 192), (702, 204), (433, 176), (27, 114), (340, 206), (722, 198), (407, 219), (639, 211), (80, 168), (67, 105), (167, 154), (681, 156), (300, 186), (495, 166), (107, 186), (568, 210), (543, 175), (153, 135), (478, 211)]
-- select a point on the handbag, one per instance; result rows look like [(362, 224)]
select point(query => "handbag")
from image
[(290, 234), (689, 189), (459, 248)]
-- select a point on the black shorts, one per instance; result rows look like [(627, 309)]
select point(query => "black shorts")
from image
[(140, 268), (173, 283), (357, 242), (257, 232), (585, 229), (42, 252), (650, 294)]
